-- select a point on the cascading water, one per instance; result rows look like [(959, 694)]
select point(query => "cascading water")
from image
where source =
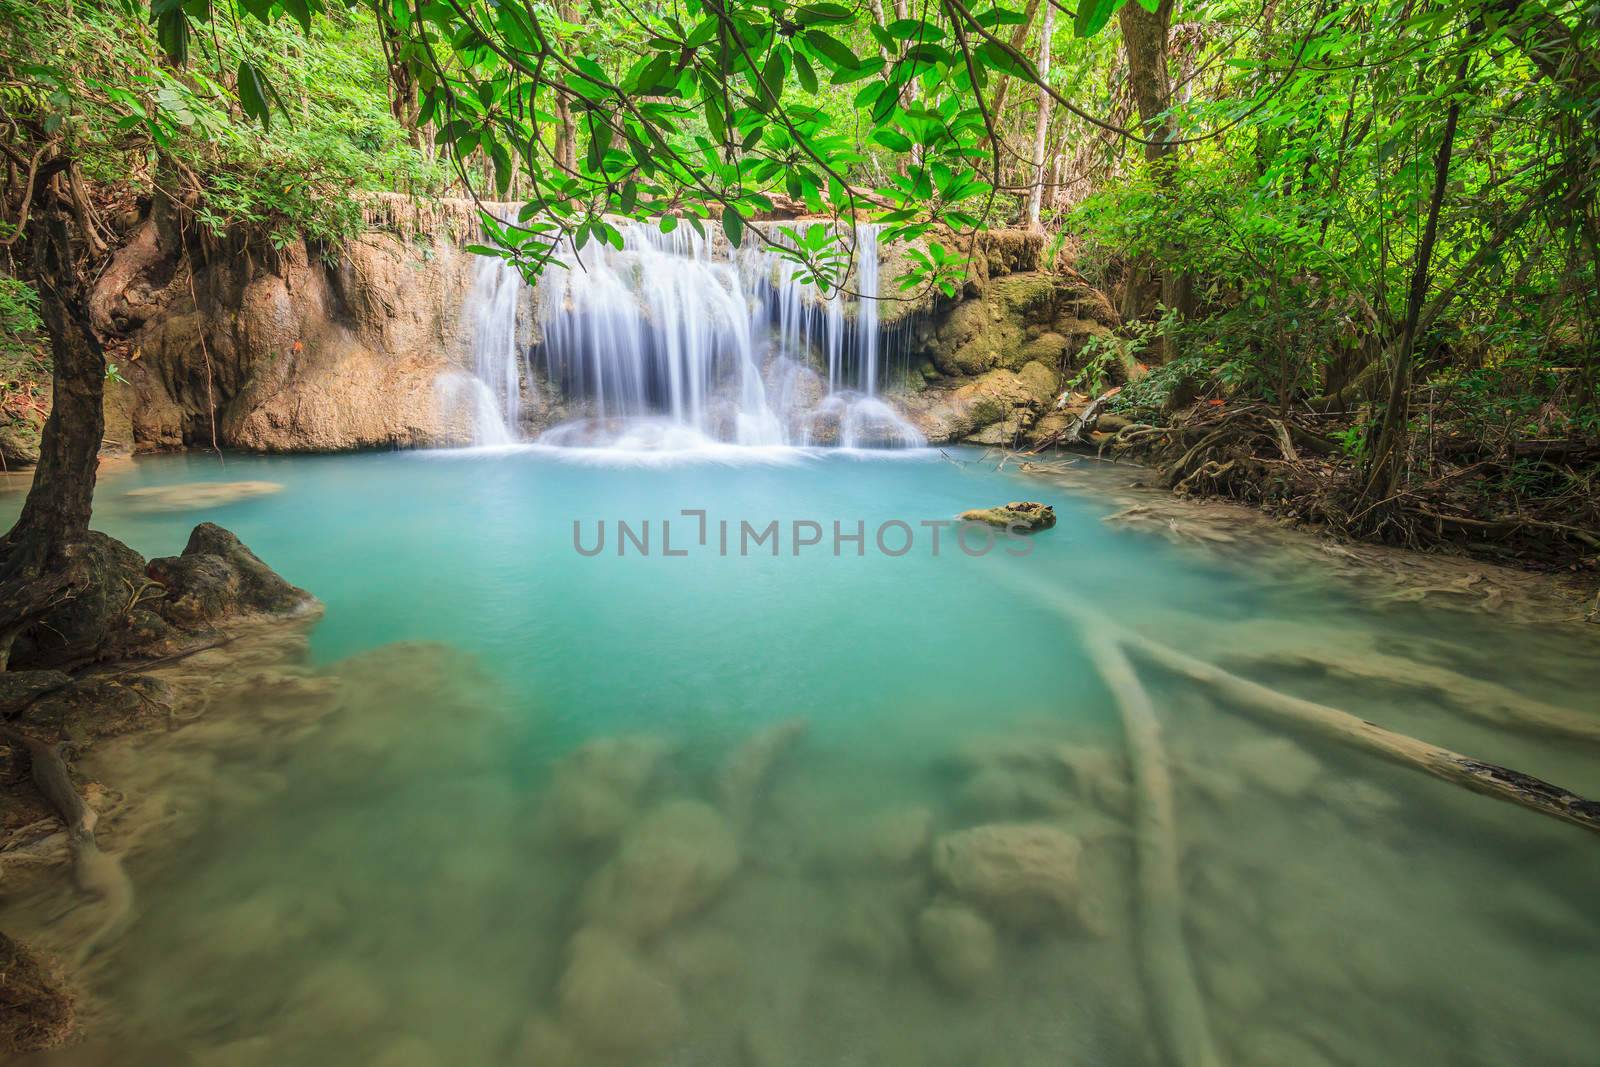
[(492, 393), (672, 339)]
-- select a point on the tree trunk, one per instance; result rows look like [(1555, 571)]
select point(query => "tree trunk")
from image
[(403, 103), (1041, 126), (1388, 454), (58, 505), (1145, 38)]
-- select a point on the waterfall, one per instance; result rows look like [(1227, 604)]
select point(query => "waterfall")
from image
[(491, 394), (677, 338)]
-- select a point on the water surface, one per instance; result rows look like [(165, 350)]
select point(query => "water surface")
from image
[(389, 857)]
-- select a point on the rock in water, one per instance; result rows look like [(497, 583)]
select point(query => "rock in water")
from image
[(958, 943), (1278, 765), (1023, 874), (1023, 516), (218, 576), (671, 863), (745, 774), (596, 789), (198, 495), (613, 1001)]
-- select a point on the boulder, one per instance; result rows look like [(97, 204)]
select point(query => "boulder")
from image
[(1022, 874), (218, 577), (595, 791), (745, 774), (671, 863), (613, 1001), (1024, 516), (958, 943)]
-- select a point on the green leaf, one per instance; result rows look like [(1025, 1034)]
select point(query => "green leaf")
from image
[(733, 225), (897, 142), (803, 71), (1094, 14), (253, 94), (811, 14), (832, 50)]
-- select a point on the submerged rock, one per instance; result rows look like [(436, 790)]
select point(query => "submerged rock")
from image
[(612, 1000), (1023, 874), (958, 943), (1026, 516), (671, 863), (744, 776), (888, 841), (1278, 765), (197, 495), (596, 790)]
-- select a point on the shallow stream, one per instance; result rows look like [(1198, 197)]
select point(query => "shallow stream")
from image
[(522, 805)]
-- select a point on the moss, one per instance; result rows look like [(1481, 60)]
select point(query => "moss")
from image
[(1039, 381), (1026, 515)]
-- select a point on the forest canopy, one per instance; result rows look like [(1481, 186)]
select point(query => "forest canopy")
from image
[(1330, 205)]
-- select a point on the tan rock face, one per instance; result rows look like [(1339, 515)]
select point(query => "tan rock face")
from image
[(1021, 874), (300, 354)]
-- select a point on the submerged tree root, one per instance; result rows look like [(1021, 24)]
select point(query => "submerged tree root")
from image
[(96, 873), (1480, 776), (1163, 952)]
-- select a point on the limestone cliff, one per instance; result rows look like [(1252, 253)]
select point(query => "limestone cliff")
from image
[(304, 350)]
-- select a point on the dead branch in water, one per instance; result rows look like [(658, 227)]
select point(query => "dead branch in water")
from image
[(1163, 952), (1480, 776)]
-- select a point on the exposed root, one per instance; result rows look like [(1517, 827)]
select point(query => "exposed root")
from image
[(96, 873), (1163, 952)]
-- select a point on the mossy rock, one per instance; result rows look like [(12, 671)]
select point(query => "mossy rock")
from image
[(1039, 381), (1024, 515)]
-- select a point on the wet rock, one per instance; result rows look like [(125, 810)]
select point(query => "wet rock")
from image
[(35, 1009), (595, 791), (1022, 874), (671, 863), (871, 928), (197, 495), (217, 576), (1277, 765), (18, 689), (408, 1051), (890, 840), (544, 1042), (336, 997), (958, 943), (1022, 515), (744, 776), (614, 1001), (699, 958)]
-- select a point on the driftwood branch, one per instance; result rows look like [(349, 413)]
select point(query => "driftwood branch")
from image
[(1163, 952), (1480, 776)]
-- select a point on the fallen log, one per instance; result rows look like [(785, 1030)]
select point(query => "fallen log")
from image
[(1479, 776)]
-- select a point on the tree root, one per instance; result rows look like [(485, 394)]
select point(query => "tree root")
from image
[(1163, 952), (1501, 783), (96, 873)]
